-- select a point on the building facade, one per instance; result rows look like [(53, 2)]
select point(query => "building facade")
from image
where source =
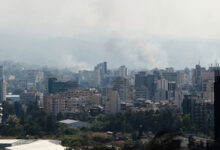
[(2, 85), (121, 85)]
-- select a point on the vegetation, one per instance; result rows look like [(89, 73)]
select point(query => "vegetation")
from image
[(165, 140), (145, 122), (31, 122)]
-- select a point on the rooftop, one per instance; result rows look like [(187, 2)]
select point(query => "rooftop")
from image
[(68, 121), (32, 144)]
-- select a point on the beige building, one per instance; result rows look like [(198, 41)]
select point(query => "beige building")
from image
[(74, 101), (113, 103), (208, 90), (162, 84), (121, 85)]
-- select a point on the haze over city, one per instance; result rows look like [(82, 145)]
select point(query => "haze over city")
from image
[(109, 74), (139, 34)]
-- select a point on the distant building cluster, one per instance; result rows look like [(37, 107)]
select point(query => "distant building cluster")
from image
[(104, 90)]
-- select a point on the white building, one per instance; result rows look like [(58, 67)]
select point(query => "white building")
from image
[(15, 144), (75, 123), (123, 71)]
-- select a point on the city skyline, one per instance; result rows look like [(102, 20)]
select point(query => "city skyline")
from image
[(110, 74)]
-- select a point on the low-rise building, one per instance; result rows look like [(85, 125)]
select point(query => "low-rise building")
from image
[(17, 144), (75, 123), (13, 98)]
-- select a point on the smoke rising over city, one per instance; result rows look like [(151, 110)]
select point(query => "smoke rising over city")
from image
[(110, 74), (78, 34)]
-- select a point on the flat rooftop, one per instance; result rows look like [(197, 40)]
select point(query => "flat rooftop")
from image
[(68, 121), (32, 144)]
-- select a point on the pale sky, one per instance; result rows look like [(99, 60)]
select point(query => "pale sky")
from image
[(135, 33)]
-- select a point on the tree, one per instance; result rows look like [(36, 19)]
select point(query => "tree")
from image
[(60, 116), (165, 140)]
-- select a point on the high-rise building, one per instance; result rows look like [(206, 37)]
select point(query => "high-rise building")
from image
[(217, 108), (123, 71), (144, 82), (55, 86), (151, 85), (200, 110), (197, 80), (2, 85), (171, 90), (162, 84), (141, 93), (188, 105), (100, 72), (102, 67), (161, 90), (141, 90), (121, 85), (1, 110), (31, 96), (113, 103), (170, 76), (140, 79), (208, 89), (89, 78)]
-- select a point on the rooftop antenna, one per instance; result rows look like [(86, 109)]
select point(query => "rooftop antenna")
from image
[(216, 63)]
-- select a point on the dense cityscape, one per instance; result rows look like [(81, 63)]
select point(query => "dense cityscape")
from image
[(109, 108), (109, 75)]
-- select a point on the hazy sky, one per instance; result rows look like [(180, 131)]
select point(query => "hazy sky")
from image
[(135, 33)]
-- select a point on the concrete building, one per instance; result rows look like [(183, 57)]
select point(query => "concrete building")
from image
[(102, 67), (55, 86), (217, 108), (100, 71), (13, 98), (200, 110), (204, 113), (54, 104), (31, 96), (18, 144), (172, 91), (75, 101), (170, 76), (162, 84), (197, 78), (161, 90), (121, 85), (144, 82), (150, 83), (91, 78), (123, 71), (2, 85), (1, 109), (140, 79), (208, 89), (141, 90), (188, 104), (113, 102), (141, 93)]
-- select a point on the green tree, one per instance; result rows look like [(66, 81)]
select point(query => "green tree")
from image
[(165, 140)]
